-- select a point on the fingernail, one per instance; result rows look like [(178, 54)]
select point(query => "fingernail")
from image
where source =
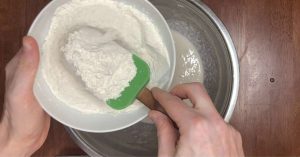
[(26, 45), (156, 89), (153, 116)]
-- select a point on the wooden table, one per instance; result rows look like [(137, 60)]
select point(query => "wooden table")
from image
[(266, 34)]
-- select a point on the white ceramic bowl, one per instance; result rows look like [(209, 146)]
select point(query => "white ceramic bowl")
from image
[(93, 122)]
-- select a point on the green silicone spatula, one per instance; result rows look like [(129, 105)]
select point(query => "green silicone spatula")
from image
[(136, 88)]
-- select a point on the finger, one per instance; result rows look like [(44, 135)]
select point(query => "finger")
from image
[(28, 65), (11, 66), (239, 143), (167, 136), (231, 143), (175, 107), (198, 96)]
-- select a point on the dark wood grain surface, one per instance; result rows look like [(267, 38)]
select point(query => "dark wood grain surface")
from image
[(266, 34)]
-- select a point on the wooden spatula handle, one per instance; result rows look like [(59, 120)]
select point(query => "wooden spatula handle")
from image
[(147, 98)]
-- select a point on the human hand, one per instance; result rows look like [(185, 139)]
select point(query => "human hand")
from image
[(24, 125), (202, 131)]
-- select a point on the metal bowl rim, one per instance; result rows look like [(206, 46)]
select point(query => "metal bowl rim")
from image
[(232, 53), (235, 69)]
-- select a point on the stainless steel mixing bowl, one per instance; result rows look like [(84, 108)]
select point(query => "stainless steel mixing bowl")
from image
[(198, 24)]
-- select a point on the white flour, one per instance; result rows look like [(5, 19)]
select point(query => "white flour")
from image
[(119, 24), (105, 67)]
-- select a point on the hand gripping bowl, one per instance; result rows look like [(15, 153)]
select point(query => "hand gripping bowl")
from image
[(199, 24), (94, 122)]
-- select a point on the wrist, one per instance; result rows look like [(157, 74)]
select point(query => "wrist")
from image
[(9, 146)]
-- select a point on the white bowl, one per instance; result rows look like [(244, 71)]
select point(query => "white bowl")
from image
[(93, 122)]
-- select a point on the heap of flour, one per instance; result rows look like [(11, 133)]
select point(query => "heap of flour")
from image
[(104, 66), (87, 53)]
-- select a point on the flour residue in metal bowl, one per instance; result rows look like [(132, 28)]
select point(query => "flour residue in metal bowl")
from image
[(189, 66)]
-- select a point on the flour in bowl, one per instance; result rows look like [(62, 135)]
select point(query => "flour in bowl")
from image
[(87, 53), (105, 67)]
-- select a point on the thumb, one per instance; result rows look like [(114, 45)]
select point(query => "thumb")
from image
[(167, 135), (28, 64)]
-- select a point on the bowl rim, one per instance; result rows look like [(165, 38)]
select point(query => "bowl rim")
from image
[(168, 85), (232, 53)]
